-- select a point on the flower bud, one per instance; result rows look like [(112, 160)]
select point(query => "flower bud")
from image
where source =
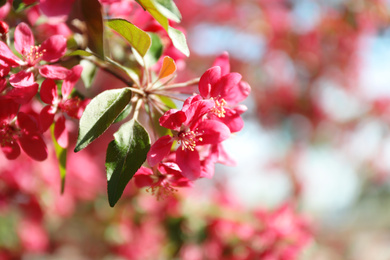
[(3, 27)]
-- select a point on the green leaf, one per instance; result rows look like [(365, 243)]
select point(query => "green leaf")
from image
[(168, 9), (92, 13), (149, 6), (155, 51), (99, 114), (125, 155), (19, 5), (61, 157), (137, 38), (124, 114), (168, 102), (79, 53), (160, 10), (179, 40)]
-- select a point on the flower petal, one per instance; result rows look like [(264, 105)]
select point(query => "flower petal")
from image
[(71, 80), (54, 72), (53, 48), (58, 8), (226, 86), (173, 119), (212, 132), (34, 146), (142, 178), (189, 163), (11, 150), (48, 91), (46, 118), (8, 56), (159, 150), (27, 123), (208, 79), (61, 133), (223, 62), (24, 38)]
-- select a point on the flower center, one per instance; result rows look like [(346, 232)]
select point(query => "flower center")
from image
[(6, 134), (189, 139), (219, 107), (34, 55)]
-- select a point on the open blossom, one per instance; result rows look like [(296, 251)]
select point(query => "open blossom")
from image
[(50, 50), (226, 89), (56, 104), (162, 182), (18, 129), (190, 129)]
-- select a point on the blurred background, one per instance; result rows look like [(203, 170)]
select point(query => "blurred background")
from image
[(316, 141)]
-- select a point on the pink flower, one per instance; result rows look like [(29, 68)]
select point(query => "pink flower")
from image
[(72, 106), (23, 88), (190, 129), (162, 181), (226, 90), (51, 49), (19, 130)]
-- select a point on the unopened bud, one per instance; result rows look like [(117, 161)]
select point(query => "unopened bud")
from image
[(3, 27)]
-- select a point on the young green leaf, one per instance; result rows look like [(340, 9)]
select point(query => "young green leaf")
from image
[(137, 38), (92, 13), (168, 9), (99, 114), (154, 7), (155, 51), (125, 155), (61, 157), (79, 53), (179, 40), (149, 5)]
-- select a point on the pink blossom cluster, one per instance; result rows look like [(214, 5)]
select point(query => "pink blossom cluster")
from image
[(21, 76), (199, 128)]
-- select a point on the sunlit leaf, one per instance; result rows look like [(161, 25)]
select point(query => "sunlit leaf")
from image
[(179, 40), (149, 6), (136, 37), (99, 114), (168, 67), (169, 9), (80, 53), (61, 157), (154, 7), (125, 155), (92, 13)]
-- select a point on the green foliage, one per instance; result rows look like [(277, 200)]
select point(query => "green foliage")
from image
[(136, 37), (79, 53), (179, 40), (100, 113), (18, 5), (125, 155), (161, 10), (61, 157), (92, 14), (155, 51), (168, 9)]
